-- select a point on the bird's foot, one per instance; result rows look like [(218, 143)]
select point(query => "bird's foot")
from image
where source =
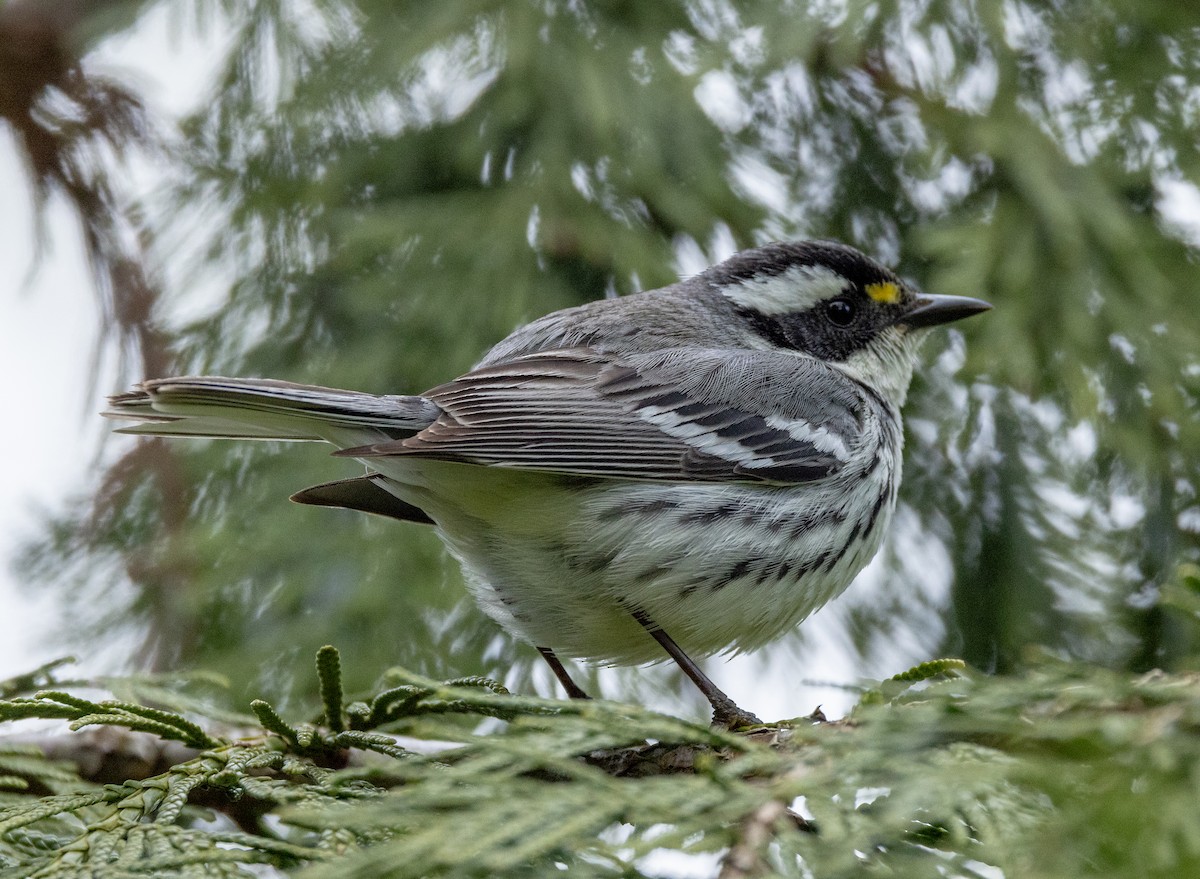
[(726, 714)]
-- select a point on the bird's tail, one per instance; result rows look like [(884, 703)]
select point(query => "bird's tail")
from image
[(241, 408)]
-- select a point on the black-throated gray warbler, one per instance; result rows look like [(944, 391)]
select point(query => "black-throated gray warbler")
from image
[(714, 459)]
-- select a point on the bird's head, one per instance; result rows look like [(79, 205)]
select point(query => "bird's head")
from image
[(830, 301)]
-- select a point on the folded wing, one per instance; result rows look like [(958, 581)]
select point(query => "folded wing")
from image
[(693, 414)]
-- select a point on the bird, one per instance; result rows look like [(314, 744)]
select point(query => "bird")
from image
[(682, 472)]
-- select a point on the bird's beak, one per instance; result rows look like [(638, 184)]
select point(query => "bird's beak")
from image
[(929, 310)]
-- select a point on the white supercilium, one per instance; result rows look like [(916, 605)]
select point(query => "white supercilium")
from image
[(797, 289)]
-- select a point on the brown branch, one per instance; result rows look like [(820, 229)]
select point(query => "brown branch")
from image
[(745, 858)]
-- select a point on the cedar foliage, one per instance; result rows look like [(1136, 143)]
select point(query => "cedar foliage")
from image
[(935, 773)]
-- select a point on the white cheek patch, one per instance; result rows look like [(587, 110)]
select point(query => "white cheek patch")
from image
[(797, 289)]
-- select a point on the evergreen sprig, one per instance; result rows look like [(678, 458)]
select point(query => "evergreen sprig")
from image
[(58, 704), (1028, 776)]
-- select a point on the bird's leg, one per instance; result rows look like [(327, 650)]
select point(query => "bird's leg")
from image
[(725, 711), (573, 689)]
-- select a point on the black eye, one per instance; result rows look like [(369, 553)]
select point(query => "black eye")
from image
[(841, 312)]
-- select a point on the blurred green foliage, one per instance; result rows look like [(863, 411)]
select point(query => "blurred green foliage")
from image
[(380, 190)]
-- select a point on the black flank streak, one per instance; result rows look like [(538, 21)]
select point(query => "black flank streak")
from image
[(556, 548), (649, 574), (814, 520), (875, 511), (753, 517), (875, 462), (856, 533), (738, 570), (819, 562), (597, 563), (835, 557), (638, 508), (708, 516), (590, 564), (652, 573), (802, 525)]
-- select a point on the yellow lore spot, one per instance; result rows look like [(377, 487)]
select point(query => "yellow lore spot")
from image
[(885, 292)]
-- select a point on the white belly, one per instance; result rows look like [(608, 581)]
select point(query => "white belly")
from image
[(562, 562)]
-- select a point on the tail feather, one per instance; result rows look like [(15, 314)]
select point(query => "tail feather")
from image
[(231, 408), (365, 493)]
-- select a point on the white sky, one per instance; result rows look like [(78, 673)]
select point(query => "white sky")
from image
[(45, 339)]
